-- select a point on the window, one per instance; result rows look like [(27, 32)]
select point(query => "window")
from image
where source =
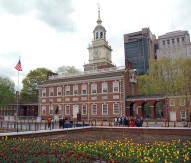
[(59, 91), (67, 92), (183, 114), (43, 92), (101, 35), (182, 39), (96, 35), (182, 102), (163, 42), (116, 108), (43, 110), (177, 40), (116, 86), (94, 109), (104, 109), (84, 109), (104, 87), (67, 110), (172, 102), (94, 88), (51, 91), (84, 89), (51, 110), (172, 41), (168, 42), (75, 89)]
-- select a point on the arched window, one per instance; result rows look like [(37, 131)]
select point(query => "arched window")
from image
[(97, 35), (101, 35)]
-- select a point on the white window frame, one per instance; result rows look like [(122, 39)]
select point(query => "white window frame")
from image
[(51, 110), (116, 86), (104, 87), (84, 109), (75, 89), (116, 107), (182, 102), (59, 91), (84, 89), (104, 109), (43, 110), (172, 102), (67, 110), (183, 112), (94, 88), (43, 92), (93, 109), (51, 91), (67, 90)]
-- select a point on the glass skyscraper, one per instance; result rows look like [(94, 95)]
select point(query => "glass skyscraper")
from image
[(139, 48)]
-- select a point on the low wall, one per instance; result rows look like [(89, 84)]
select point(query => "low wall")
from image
[(140, 130)]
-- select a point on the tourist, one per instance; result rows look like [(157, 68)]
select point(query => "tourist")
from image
[(52, 122), (60, 122), (49, 122)]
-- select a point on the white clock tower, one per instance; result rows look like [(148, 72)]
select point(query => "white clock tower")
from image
[(99, 50)]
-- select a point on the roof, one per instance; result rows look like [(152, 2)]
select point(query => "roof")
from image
[(99, 28)]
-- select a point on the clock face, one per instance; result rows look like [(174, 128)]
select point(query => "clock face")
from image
[(96, 53)]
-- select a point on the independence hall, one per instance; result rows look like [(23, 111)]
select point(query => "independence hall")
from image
[(98, 92)]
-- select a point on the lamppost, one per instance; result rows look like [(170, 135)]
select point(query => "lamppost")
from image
[(167, 111), (88, 101)]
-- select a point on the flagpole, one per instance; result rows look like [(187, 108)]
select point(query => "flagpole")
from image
[(18, 68), (17, 95)]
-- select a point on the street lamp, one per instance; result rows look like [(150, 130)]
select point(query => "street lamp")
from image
[(88, 101), (167, 111)]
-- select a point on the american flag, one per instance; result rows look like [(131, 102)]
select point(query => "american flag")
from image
[(18, 66)]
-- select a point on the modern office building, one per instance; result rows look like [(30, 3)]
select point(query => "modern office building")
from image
[(98, 92), (174, 44), (139, 48)]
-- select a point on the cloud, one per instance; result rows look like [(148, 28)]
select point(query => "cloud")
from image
[(55, 13)]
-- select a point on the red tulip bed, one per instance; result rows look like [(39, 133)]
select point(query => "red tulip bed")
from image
[(51, 151)]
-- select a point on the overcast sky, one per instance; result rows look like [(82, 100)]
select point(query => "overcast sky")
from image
[(54, 33)]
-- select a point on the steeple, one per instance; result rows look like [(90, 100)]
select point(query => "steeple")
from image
[(99, 21), (99, 50)]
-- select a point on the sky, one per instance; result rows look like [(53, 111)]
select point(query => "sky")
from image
[(54, 33)]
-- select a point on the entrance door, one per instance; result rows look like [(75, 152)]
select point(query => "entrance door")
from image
[(75, 110)]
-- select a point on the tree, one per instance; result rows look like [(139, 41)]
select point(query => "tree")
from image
[(167, 76), (65, 70), (6, 91), (31, 81)]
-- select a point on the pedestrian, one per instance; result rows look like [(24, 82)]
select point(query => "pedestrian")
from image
[(49, 122), (60, 122), (115, 121), (52, 122), (63, 122)]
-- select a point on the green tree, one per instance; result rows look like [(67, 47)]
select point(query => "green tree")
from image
[(167, 76), (34, 78), (65, 70), (6, 91)]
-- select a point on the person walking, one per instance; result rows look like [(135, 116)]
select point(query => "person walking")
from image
[(52, 122), (49, 122)]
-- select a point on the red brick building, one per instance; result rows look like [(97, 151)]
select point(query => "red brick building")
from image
[(98, 92)]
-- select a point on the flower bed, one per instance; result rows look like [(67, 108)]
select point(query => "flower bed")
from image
[(35, 150)]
